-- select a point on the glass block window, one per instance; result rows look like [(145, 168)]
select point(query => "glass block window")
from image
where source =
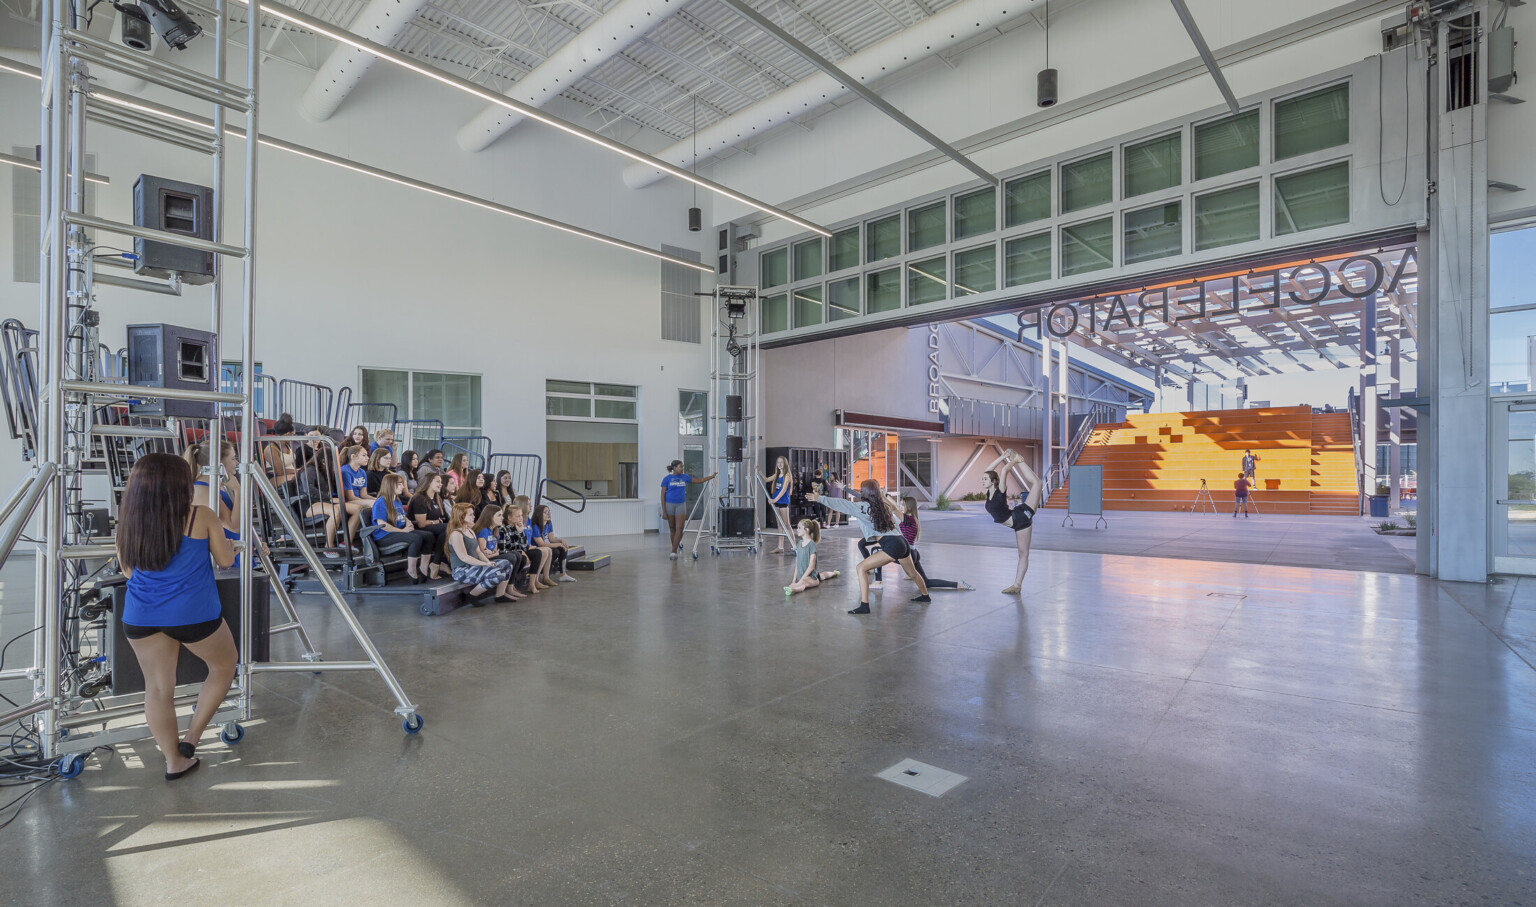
[(808, 306), (1312, 122), (1087, 183), (1027, 199), (1153, 165), (976, 271), (843, 249), (774, 267), (927, 281), (1088, 247), (882, 291), (1227, 145), (882, 238), (1312, 199), (975, 213), (1227, 217), (1155, 232), (808, 259), (775, 313), (843, 299), (1027, 259), (926, 227)]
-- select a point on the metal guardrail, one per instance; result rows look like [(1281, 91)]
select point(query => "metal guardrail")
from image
[(557, 501), (987, 418), (477, 447), (373, 416), (420, 435), (527, 472), (309, 404), (1097, 415)]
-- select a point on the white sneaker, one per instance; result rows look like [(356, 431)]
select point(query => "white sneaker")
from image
[(565, 578), (673, 555)]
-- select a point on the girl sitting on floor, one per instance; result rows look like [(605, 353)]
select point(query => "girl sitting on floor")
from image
[(808, 533)]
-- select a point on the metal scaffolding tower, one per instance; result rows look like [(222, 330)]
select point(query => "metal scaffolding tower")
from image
[(74, 393), (735, 399)]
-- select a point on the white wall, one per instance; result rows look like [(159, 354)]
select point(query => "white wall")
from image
[(353, 272), (884, 373)]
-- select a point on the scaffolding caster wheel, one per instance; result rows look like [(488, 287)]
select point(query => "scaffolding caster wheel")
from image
[(70, 766), (695, 555), (413, 724), (231, 733)]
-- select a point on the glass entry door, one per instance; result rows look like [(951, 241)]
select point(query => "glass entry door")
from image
[(1513, 513)]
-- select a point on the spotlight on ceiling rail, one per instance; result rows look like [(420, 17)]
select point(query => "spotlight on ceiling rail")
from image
[(176, 28)]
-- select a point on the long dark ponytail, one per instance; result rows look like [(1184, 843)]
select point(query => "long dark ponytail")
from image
[(879, 513)]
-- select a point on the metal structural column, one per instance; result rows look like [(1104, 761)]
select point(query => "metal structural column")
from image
[(1453, 440), (1370, 401)]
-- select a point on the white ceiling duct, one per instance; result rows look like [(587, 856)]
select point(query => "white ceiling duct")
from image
[(381, 21), (937, 33), (593, 46)]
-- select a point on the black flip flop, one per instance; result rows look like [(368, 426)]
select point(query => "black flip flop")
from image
[(172, 776)]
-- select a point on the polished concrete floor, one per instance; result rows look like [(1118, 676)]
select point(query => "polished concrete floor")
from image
[(1292, 540), (1133, 730)]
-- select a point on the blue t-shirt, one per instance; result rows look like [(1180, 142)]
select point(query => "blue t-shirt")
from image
[(374, 445), (677, 487), (531, 532), (381, 516), (489, 538), (355, 480)]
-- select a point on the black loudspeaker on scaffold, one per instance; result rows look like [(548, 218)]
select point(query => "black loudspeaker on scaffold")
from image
[(175, 207), (733, 408), (733, 448), (736, 522), (163, 355)]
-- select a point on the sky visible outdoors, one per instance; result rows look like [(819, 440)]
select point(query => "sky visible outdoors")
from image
[(1511, 279)]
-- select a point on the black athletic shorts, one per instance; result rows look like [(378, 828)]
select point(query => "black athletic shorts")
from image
[(895, 546), (187, 633), (1023, 517)]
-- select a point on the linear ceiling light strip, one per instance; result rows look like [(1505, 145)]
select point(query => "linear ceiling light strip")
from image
[(315, 155), (325, 29)]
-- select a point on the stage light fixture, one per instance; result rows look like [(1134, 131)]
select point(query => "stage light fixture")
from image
[(175, 27)]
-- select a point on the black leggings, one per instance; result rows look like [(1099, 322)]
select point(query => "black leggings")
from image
[(559, 554), (439, 534), (917, 564), (413, 542), (519, 562)]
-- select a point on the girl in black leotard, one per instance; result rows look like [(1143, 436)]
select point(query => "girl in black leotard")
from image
[(1019, 518)]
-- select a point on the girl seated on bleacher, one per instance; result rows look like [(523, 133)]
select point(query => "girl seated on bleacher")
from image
[(493, 495), (358, 437), (472, 491), (504, 487), (543, 527), (487, 525), (459, 467), (427, 511), (392, 530), (278, 457), (407, 469), (513, 545), (384, 439), (380, 464), (539, 559), (354, 488), (468, 566), (314, 490)]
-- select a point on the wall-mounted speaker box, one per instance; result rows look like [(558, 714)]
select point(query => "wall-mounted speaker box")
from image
[(175, 207), (733, 448), (128, 677), (733, 408), (163, 355), (736, 522)]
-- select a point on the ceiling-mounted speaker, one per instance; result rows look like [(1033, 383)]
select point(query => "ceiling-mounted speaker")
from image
[(1045, 88), (695, 220)]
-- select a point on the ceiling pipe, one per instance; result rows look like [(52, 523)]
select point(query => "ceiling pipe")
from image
[(382, 22), (937, 33), (595, 45)]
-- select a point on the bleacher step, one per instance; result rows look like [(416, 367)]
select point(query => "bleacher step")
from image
[(589, 562)]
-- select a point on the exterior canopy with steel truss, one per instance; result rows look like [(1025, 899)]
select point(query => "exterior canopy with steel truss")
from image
[(1302, 316)]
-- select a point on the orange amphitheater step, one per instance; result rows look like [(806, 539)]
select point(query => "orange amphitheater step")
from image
[(1155, 461)]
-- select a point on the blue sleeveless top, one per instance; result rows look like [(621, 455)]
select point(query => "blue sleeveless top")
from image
[(181, 594), (229, 502)]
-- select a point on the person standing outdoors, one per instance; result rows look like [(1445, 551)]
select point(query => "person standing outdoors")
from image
[(1250, 465), (1240, 495)]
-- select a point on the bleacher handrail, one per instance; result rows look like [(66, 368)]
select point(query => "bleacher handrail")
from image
[(496, 462), (554, 500), (404, 430), (455, 444), (388, 410), (308, 403)]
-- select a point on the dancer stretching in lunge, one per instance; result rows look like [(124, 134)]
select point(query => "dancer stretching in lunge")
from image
[(878, 523), (808, 533), (1019, 518)]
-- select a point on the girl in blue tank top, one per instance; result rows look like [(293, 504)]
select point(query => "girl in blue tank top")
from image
[(166, 546)]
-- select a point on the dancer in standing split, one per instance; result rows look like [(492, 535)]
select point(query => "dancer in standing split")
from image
[(877, 521), (1019, 518)]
